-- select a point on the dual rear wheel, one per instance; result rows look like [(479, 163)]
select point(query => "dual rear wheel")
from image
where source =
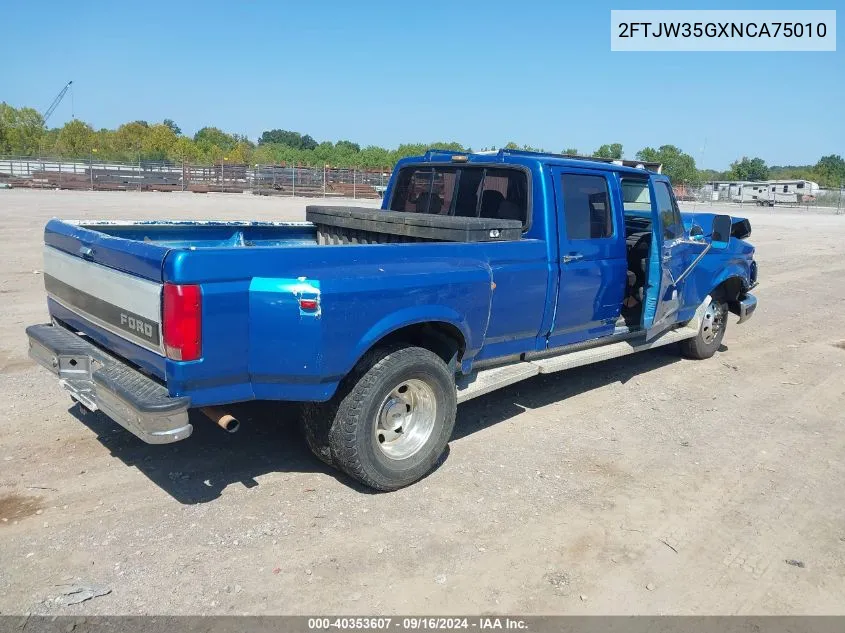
[(391, 420)]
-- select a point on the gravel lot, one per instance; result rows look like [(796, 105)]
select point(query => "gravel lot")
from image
[(649, 484)]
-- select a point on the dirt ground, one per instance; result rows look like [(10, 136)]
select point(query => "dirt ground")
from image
[(649, 484)]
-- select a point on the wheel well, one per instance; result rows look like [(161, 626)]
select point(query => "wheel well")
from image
[(729, 290), (443, 339)]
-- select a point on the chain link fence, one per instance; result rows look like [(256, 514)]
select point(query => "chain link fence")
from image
[(284, 180), (97, 175)]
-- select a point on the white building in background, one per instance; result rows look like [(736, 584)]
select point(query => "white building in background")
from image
[(764, 192)]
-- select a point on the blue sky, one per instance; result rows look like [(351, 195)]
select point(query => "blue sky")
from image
[(478, 72)]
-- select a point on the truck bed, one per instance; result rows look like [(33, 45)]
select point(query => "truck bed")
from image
[(208, 234), (326, 226)]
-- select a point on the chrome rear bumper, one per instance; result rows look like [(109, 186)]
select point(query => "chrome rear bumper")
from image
[(102, 382)]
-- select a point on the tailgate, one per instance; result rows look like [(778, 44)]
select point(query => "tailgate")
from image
[(108, 288), (135, 257), (120, 303)]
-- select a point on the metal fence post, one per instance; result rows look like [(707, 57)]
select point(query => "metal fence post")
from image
[(354, 194), (324, 179), (293, 181)]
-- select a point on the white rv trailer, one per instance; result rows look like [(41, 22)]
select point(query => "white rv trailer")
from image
[(771, 192)]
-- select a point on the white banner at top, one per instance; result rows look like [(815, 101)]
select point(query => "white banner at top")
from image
[(717, 30)]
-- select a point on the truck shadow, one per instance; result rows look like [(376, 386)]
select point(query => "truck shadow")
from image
[(269, 441), (200, 468), (480, 413)]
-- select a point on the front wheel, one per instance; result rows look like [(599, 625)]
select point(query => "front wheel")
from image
[(391, 420), (710, 333)]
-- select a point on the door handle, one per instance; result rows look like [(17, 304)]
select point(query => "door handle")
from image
[(572, 258)]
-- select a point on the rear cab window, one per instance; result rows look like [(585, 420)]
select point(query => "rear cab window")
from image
[(471, 191)]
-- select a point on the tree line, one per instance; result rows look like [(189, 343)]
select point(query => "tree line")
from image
[(23, 133)]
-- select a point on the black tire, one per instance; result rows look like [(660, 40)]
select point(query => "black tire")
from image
[(344, 432), (710, 334)]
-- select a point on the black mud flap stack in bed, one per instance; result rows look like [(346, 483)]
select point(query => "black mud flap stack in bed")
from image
[(361, 225)]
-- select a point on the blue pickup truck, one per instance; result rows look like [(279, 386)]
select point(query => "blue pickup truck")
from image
[(480, 270)]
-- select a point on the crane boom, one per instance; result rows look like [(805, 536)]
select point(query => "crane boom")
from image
[(56, 102)]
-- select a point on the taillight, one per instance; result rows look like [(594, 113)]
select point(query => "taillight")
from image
[(182, 321), (308, 305)]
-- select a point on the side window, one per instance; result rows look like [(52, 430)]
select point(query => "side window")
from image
[(670, 215), (586, 205)]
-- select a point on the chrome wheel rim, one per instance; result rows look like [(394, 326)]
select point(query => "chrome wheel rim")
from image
[(405, 419), (713, 323)]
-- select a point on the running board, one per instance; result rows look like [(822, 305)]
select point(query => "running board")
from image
[(483, 382), (487, 380)]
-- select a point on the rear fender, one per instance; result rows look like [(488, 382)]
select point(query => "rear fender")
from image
[(418, 315)]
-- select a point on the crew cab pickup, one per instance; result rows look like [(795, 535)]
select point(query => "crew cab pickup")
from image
[(479, 271)]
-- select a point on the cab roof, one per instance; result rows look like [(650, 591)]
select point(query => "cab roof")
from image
[(521, 156)]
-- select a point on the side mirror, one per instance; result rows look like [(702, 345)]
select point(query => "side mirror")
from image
[(721, 231)]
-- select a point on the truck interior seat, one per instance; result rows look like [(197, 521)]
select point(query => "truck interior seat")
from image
[(466, 203), (429, 203), (491, 200), (637, 246)]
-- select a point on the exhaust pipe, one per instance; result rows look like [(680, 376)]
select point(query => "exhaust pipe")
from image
[(224, 420)]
